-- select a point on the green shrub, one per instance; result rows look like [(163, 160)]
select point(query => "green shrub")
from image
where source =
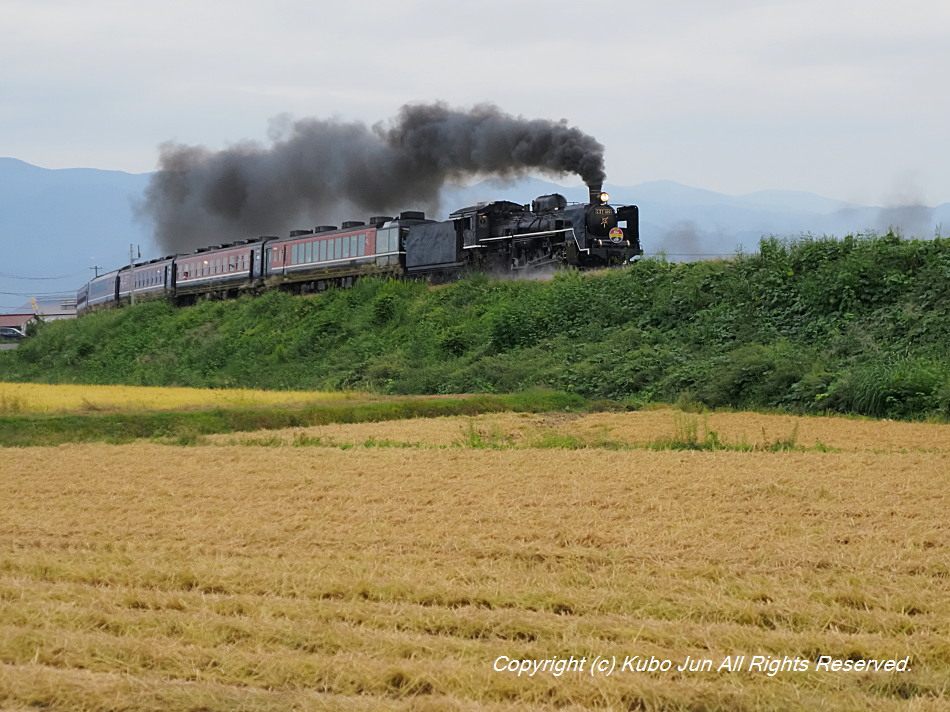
[(855, 325)]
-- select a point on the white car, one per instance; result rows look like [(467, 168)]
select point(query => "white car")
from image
[(8, 332)]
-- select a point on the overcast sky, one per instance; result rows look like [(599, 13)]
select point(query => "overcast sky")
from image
[(843, 98)]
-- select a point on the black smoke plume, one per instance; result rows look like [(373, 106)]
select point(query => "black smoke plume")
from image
[(319, 171)]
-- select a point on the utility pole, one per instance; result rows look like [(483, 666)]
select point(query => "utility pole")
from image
[(96, 268), (131, 273)]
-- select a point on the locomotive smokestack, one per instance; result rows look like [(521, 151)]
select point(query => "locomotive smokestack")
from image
[(595, 191), (327, 170)]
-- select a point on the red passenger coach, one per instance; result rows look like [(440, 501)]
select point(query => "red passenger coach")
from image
[(315, 260), (222, 270), (148, 280)]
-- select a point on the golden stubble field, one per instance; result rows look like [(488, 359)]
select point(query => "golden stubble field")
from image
[(350, 573), (46, 398)]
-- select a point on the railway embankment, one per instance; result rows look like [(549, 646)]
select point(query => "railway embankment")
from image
[(854, 325)]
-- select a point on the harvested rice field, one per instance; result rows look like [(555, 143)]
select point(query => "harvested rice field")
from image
[(649, 428), (494, 562), (46, 398)]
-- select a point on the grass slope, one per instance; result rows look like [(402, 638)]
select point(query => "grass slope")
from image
[(857, 325)]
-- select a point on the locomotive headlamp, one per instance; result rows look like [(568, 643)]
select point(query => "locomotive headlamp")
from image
[(604, 197)]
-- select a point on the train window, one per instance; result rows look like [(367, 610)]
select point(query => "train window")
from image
[(361, 246), (387, 240), (346, 246)]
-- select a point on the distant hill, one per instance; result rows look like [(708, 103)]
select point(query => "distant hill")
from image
[(688, 223), (62, 223)]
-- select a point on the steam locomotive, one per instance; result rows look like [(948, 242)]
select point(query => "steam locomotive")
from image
[(498, 237)]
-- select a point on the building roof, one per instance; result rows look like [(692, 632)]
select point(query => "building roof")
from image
[(16, 320)]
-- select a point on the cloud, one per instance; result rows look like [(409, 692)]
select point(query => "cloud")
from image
[(833, 96)]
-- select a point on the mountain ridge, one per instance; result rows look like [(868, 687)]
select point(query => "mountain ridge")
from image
[(69, 221)]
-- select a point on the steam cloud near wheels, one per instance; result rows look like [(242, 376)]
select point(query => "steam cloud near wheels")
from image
[(328, 170)]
